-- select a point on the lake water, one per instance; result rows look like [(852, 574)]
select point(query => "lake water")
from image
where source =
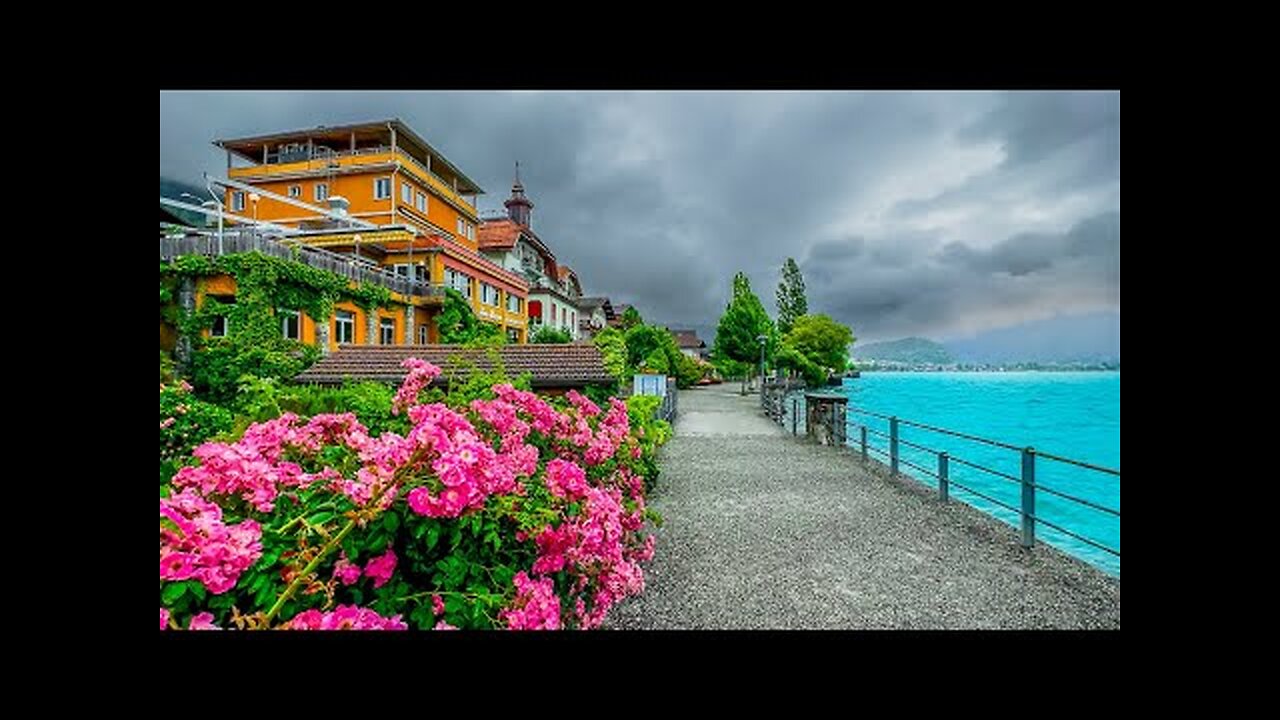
[(1072, 414)]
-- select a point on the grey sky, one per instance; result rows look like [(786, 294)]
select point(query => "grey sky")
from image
[(911, 213)]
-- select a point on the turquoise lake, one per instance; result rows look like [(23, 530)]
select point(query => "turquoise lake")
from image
[(1072, 414)]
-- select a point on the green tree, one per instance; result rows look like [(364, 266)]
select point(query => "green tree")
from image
[(550, 336), (744, 321), (613, 346), (631, 318), (792, 302), (653, 349), (822, 342)]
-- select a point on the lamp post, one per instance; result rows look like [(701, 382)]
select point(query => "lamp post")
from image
[(254, 198), (762, 340)]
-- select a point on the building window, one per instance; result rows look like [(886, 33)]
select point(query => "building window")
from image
[(513, 304), (422, 334), (401, 269), (422, 203), (461, 230), (237, 201), (290, 327), (406, 192), (388, 328), (573, 320), (344, 326), (563, 317), (489, 295), (322, 192), (382, 189), (219, 327), (458, 281), (295, 191), (513, 336)]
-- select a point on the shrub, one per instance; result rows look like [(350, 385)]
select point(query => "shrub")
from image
[(185, 422), (613, 346), (650, 431), (548, 335), (218, 367), (504, 512)]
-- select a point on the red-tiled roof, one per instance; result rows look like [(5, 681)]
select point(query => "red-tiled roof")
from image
[(687, 339), (497, 234), (560, 366)]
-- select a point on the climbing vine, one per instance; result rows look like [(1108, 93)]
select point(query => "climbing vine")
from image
[(253, 344)]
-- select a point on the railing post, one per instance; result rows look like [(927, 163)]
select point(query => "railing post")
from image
[(795, 415), (893, 444), (944, 489), (1028, 497), (863, 431)]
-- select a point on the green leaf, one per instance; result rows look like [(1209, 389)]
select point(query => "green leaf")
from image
[(320, 518), (172, 593), (195, 587), (258, 582), (265, 596), (433, 535), (453, 604), (391, 521)]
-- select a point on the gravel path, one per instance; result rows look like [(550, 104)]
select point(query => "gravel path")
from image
[(764, 530)]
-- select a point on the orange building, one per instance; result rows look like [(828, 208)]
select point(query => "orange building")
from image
[(381, 194)]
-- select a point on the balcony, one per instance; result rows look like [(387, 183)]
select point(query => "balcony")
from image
[(282, 164), (318, 159), (438, 184), (346, 266)]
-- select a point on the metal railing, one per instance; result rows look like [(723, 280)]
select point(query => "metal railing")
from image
[(431, 174), (1028, 485), (670, 404), (357, 270)]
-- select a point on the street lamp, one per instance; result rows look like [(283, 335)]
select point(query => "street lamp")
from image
[(254, 198), (762, 340)]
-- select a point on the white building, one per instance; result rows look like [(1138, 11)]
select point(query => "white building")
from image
[(554, 289)]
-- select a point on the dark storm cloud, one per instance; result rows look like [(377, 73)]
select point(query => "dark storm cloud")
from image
[(951, 288), (910, 212)]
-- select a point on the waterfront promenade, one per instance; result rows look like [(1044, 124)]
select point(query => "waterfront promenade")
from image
[(768, 531)]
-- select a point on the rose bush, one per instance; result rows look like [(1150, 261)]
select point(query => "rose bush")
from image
[(506, 512), (185, 422)]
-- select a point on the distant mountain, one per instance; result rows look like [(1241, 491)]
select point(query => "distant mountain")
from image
[(173, 190), (906, 350), (1091, 337)]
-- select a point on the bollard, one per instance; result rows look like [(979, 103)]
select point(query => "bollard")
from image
[(944, 492), (863, 431), (795, 410), (1028, 497), (893, 444)]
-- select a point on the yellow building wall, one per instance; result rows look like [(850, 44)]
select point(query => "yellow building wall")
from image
[(358, 189)]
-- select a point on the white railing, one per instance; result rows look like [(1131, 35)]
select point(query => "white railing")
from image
[(355, 269)]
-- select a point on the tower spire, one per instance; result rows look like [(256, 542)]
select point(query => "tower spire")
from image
[(519, 207)]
